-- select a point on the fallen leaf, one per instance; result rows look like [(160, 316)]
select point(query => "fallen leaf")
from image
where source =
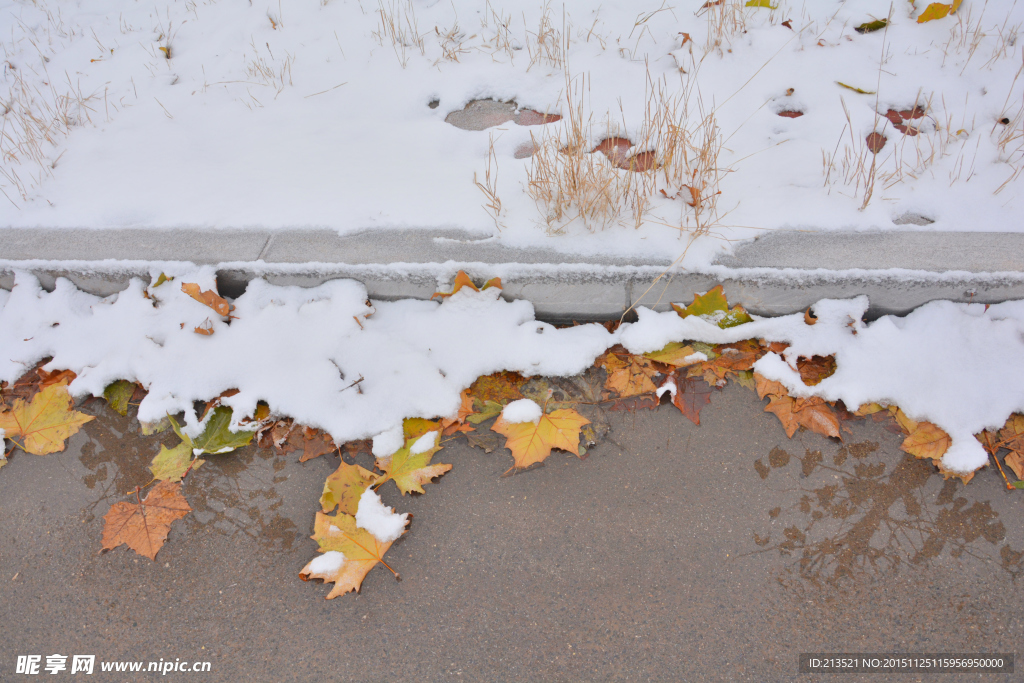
[(171, 464), (532, 443), (119, 394), (208, 298), (1015, 461), (871, 26), (217, 436), (463, 280), (788, 23), (813, 414), (768, 387), (55, 377), (906, 424), (857, 90), (926, 441), (938, 10), (1012, 434), (316, 443), (344, 486), (815, 369), (675, 353), (691, 396), (713, 307), (869, 409), (761, 3), (410, 471), (632, 403), (501, 387), (362, 552), (487, 441), (628, 375), (143, 526), (44, 422)]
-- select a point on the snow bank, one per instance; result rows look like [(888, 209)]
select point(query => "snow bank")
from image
[(956, 365), (328, 358)]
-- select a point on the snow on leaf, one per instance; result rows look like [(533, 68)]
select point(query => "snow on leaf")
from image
[(628, 375), (208, 298), (926, 440), (118, 394), (45, 422), (143, 526), (410, 471), (344, 487), (362, 552), (171, 464), (713, 307), (677, 354), (938, 10), (532, 443)]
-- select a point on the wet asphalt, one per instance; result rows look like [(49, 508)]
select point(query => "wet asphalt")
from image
[(671, 553)]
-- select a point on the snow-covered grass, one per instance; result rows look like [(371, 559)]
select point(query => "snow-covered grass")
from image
[(329, 359), (315, 115)]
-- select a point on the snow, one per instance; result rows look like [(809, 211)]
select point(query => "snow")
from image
[(388, 443), (209, 136), (956, 365), (380, 520), (327, 564), (330, 359), (523, 410), (424, 443)]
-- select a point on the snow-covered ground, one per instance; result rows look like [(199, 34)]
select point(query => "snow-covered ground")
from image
[(285, 115), (330, 359)]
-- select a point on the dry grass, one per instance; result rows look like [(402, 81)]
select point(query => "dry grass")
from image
[(399, 28), (570, 182), (489, 187), (545, 45)]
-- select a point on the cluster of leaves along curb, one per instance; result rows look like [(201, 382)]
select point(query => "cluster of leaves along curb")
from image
[(38, 416)]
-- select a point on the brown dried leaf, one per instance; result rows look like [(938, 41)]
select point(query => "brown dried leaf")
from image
[(208, 298), (143, 526)]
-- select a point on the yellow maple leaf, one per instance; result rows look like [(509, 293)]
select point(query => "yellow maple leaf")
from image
[(531, 443), (360, 552), (409, 470), (345, 486), (926, 441), (675, 353), (44, 422)]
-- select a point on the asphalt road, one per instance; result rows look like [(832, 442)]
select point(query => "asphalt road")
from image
[(673, 552)]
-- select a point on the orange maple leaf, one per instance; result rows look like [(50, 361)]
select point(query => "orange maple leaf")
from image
[(463, 280), (628, 375), (532, 443), (143, 526)]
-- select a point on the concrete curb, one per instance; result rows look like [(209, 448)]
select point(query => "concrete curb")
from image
[(781, 272)]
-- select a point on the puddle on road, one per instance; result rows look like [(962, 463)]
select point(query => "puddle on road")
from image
[(230, 494), (859, 516)]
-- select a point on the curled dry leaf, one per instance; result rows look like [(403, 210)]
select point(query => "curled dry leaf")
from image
[(207, 298)]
